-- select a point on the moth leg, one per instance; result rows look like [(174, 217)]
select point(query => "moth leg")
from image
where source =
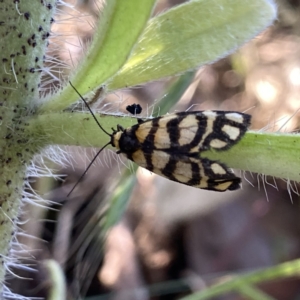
[(119, 128)]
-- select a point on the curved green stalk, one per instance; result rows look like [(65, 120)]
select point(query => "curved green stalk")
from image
[(271, 154), (119, 27), (57, 290), (234, 283)]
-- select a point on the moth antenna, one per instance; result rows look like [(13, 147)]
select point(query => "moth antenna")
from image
[(88, 167), (95, 157), (86, 104)]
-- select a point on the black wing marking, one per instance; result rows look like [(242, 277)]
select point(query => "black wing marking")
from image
[(191, 132)]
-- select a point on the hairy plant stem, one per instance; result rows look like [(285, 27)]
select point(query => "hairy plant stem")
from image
[(24, 30)]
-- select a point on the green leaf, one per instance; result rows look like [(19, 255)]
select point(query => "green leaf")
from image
[(271, 154), (234, 283), (57, 281), (120, 25), (174, 93), (118, 202), (252, 293), (191, 35)]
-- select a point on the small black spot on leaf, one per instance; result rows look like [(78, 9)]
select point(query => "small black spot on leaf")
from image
[(27, 15)]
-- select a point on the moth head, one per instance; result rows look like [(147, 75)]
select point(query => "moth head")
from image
[(115, 139)]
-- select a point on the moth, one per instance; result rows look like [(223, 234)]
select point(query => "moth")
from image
[(171, 146)]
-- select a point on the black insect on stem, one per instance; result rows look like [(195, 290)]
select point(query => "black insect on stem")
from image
[(134, 109)]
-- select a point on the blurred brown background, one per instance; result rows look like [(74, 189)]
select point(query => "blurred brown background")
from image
[(173, 240)]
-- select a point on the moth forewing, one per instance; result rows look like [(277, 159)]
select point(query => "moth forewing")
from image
[(171, 145)]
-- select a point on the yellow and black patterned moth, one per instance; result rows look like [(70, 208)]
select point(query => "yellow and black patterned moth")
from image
[(170, 146)]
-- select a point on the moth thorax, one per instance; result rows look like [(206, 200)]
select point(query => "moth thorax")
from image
[(128, 143)]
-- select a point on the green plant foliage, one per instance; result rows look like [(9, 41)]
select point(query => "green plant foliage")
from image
[(191, 35), (128, 49), (119, 27), (243, 282)]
